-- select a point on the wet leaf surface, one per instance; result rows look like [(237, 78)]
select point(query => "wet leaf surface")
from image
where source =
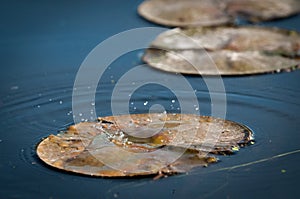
[(225, 50), (185, 13), (215, 12), (243, 38), (256, 11), (118, 146), (221, 62)]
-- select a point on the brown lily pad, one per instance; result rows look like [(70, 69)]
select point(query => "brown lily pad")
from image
[(189, 13), (223, 62), (116, 146), (225, 50), (185, 13), (256, 11), (244, 38)]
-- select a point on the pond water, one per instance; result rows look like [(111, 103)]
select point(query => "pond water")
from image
[(42, 48)]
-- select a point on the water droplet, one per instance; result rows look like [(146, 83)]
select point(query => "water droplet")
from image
[(197, 108), (173, 101), (132, 103), (14, 88), (140, 54), (93, 103), (80, 114), (50, 100), (40, 94), (145, 103), (134, 108), (60, 102), (38, 106)]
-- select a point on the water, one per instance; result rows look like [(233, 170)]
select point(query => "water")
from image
[(42, 47)]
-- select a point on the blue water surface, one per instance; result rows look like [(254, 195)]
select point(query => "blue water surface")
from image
[(43, 44)]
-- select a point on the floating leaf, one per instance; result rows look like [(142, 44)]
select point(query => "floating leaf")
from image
[(215, 12), (225, 50), (116, 146), (256, 10), (244, 38), (223, 62), (185, 13)]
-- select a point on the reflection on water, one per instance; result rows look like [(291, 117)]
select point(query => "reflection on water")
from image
[(35, 101)]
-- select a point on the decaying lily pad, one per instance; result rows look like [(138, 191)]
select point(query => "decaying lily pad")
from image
[(185, 13), (256, 10), (223, 62), (215, 12), (244, 38), (225, 50), (113, 146)]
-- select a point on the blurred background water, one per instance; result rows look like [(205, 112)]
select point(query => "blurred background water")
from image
[(42, 47)]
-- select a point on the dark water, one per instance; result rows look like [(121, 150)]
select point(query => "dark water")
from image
[(42, 48)]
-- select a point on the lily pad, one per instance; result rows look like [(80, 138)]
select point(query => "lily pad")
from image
[(244, 38), (223, 62), (256, 11), (225, 50), (215, 12), (185, 13), (113, 146)]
